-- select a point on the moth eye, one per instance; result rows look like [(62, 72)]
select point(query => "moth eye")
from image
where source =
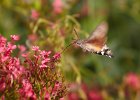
[(77, 42)]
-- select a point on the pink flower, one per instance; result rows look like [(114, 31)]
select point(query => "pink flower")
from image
[(56, 86), (132, 80), (2, 41), (47, 96), (2, 85), (45, 61), (15, 37), (43, 66), (32, 37), (11, 46), (22, 48), (57, 56), (24, 55), (2, 49), (4, 58), (73, 96), (34, 14), (35, 48), (45, 54), (57, 6), (94, 95), (62, 99), (26, 91), (44, 92)]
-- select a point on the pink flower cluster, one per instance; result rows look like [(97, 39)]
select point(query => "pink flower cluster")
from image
[(91, 94), (10, 67), (23, 77), (42, 58), (132, 80)]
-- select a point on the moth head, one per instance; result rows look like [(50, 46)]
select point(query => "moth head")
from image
[(79, 42)]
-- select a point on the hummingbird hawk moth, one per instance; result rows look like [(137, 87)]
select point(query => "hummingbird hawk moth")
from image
[(96, 42)]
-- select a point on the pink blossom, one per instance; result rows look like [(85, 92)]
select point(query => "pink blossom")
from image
[(14, 68), (32, 37), (2, 85), (2, 41), (34, 14), (73, 96), (94, 95), (26, 91), (56, 56), (62, 99), (43, 66), (35, 48), (2, 49), (132, 80), (56, 86), (22, 48), (24, 55), (47, 96), (45, 54), (44, 92), (4, 58), (57, 6), (11, 46), (45, 61), (15, 37)]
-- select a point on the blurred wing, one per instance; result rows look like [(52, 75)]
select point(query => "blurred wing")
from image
[(98, 37)]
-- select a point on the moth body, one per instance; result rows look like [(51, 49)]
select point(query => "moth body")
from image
[(96, 43)]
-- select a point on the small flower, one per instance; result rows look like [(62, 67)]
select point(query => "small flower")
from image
[(35, 48), (22, 48), (2, 41), (43, 66), (2, 49), (94, 95), (132, 80), (56, 86), (45, 61), (15, 37), (4, 58), (34, 14), (73, 96), (45, 54), (44, 92), (24, 55), (47, 96), (11, 46), (57, 6), (57, 56), (26, 91), (32, 37)]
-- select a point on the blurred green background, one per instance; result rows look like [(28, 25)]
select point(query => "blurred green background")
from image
[(54, 30)]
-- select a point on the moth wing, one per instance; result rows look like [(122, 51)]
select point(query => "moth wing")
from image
[(98, 37)]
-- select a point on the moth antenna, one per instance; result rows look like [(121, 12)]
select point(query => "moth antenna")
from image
[(72, 42), (76, 33), (68, 46)]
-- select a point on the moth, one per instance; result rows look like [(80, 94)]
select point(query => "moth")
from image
[(96, 42)]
